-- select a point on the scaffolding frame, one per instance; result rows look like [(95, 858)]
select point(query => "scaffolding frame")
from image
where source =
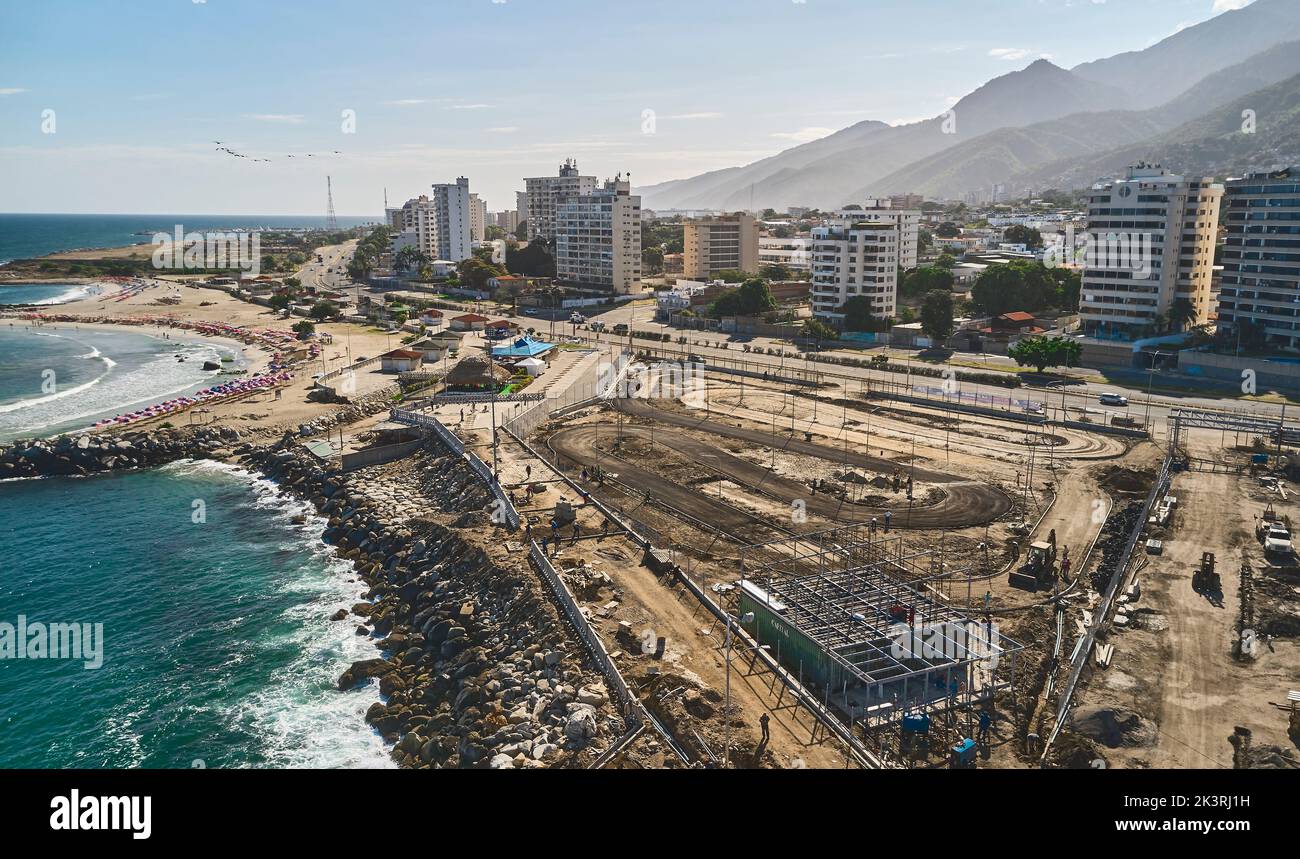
[(842, 589)]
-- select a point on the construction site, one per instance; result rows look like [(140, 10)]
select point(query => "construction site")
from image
[(801, 570)]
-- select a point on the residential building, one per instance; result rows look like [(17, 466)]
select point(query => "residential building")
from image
[(545, 194), (477, 218), (1261, 258), (1150, 259), (437, 224), (521, 208), (853, 258), (906, 221), (720, 243), (598, 239), (795, 252)]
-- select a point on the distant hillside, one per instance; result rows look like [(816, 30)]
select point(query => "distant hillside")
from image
[(999, 156), (1116, 94), (1157, 74), (823, 173), (1211, 145)]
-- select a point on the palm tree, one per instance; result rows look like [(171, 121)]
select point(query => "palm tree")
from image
[(1181, 314)]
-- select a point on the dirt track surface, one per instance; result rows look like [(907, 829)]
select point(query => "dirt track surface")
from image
[(963, 503)]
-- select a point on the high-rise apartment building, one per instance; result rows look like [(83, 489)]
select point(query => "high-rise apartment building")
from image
[(851, 258), (477, 218), (437, 224), (598, 239), (1260, 286), (720, 243), (521, 209), (1149, 265), (546, 193)]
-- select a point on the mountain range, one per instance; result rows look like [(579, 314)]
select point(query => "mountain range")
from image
[(1047, 127)]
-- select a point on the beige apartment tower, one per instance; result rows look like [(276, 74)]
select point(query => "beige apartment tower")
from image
[(720, 243)]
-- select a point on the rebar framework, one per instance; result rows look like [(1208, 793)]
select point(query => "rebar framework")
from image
[(883, 637)]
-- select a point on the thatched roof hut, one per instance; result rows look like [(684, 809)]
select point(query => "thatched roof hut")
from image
[(477, 372)]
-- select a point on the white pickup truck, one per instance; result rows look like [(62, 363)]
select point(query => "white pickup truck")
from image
[(1277, 541)]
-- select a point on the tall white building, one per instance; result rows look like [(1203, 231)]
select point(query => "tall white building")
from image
[(521, 208), (851, 258), (907, 222), (598, 239), (546, 194), (1151, 253), (438, 224), (1261, 258), (477, 218)]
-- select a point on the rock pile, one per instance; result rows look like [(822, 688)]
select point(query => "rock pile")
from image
[(476, 667), (80, 455)]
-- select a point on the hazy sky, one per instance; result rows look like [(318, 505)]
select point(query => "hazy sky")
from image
[(491, 89)]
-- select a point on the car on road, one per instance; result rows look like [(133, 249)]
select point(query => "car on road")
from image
[(621, 328), (1113, 400), (577, 318)]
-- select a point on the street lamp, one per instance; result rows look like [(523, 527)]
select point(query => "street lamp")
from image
[(747, 617)]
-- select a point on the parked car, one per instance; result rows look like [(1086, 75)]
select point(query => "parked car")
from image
[(621, 328), (1113, 400)]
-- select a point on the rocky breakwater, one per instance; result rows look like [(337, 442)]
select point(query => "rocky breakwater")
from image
[(475, 667), (86, 454)]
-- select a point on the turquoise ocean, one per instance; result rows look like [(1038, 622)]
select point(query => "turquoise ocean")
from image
[(218, 650)]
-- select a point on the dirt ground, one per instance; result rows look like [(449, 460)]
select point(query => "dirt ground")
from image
[(1176, 667)]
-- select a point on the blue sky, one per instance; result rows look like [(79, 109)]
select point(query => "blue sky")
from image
[(496, 91)]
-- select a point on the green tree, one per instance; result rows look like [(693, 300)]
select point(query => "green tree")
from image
[(936, 315), (947, 230), (1043, 352), (1008, 287), (281, 301), (858, 315), (946, 260), (475, 272), (304, 329), (534, 260), (653, 259), (325, 309), (1018, 234), (817, 331), (919, 281), (733, 275), (776, 271)]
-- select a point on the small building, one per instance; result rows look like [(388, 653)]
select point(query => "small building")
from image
[(433, 350), (402, 361), (500, 328), (468, 322), (532, 366), (431, 318), (524, 347), (475, 374)]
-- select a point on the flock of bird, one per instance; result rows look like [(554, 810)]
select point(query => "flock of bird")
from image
[(221, 147)]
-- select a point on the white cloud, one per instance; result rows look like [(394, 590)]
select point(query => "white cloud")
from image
[(694, 116), (286, 118), (804, 135), (402, 102), (1229, 5), (13, 90), (469, 107)]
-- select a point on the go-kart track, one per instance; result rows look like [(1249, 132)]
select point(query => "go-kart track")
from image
[(959, 503)]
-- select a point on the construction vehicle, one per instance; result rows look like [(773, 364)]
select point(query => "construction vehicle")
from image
[(1205, 579), (1039, 569)]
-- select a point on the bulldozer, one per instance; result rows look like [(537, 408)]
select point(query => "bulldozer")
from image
[(1039, 570)]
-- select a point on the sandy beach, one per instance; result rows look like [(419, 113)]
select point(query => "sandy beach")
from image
[(264, 412)]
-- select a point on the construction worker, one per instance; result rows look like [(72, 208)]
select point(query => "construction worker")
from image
[(985, 722), (528, 472), (889, 517), (762, 723), (576, 530)]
